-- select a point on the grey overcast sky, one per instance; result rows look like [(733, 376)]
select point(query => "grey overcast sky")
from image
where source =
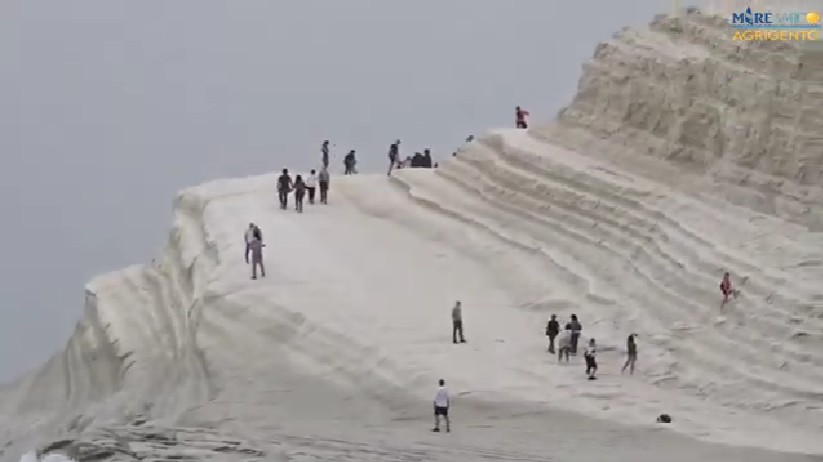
[(108, 107)]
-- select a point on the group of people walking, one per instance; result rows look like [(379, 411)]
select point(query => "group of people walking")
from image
[(301, 187)]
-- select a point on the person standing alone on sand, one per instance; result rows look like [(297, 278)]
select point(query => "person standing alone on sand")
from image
[(726, 289), (520, 117), (631, 358), (457, 322), (552, 329), (311, 185), (257, 258), (325, 153), (441, 406), (323, 181)]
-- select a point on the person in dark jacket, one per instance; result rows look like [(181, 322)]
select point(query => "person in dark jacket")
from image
[(284, 186), (552, 329), (631, 357), (323, 182), (349, 163), (576, 328), (427, 158), (299, 193)]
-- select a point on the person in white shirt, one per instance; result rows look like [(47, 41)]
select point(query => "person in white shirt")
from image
[(311, 185), (441, 406), (564, 344), (590, 354)]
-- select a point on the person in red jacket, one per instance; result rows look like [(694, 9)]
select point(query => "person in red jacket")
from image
[(520, 117)]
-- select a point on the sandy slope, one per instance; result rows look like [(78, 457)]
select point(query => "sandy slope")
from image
[(358, 295)]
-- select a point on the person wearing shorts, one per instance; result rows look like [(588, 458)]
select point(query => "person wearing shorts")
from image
[(441, 406)]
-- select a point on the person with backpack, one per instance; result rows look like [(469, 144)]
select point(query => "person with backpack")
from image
[(253, 232), (299, 193), (552, 329), (284, 187), (311, 185), (323, 182)]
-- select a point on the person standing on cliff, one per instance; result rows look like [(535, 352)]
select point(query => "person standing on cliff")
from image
[(520, 117), (457, 322), (325, 153), (284, 187), (323, 182), (256, 246)]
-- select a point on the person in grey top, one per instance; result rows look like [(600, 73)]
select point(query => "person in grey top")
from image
[(256, 246), (457, 322), (323, 182)]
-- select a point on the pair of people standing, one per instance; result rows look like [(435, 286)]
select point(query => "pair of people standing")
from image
[(553, 330)]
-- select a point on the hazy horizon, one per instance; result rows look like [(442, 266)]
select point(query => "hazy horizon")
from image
[(110, 107)]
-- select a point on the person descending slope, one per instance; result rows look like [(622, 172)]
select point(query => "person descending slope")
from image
[(311, 185), (394, 154), (257, 258), (552, 329), (591, 359), (575, 327), (325, 153), (299, 193), (564, 344), (631, 357), (323, 182), (520, 117), (457, 322), (284, 187), (441, 406)]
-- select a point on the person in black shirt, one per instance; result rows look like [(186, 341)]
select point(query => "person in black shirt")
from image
[(284, 186), (552, 329)]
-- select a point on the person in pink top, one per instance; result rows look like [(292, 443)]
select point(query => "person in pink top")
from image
[(520, 117)]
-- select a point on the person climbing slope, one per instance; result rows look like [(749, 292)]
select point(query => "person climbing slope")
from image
[(631, 357), (552, 329), (457, 322), (591, 359), (323, 182), (284, 187), (257, 258), (520, 117), (394, 155), (311, 185), (441, 406), (299, 193), (726, 289)]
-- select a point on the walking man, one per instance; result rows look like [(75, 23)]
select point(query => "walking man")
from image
[(552, 329), (311, 185), (441, 406), (323, 180), (631, 358), (284, 186), (257, 258), (457, 322)]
